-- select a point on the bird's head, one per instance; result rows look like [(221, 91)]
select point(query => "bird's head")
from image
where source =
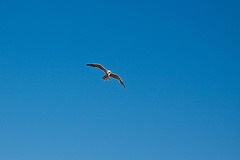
[(109, 72)]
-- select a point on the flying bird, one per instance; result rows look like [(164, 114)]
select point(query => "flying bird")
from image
[(107, 73)]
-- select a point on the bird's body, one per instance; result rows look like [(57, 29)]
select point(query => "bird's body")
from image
[(108, 73), (106, 77)]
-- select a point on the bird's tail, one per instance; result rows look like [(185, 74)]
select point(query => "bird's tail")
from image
[(106, 78)]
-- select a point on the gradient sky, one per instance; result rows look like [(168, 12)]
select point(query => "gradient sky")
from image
[(180, 62)]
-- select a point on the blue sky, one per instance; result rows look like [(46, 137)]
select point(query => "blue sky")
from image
[(178, 59)]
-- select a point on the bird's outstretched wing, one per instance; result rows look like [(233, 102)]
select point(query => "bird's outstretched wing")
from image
[(98, 66), (118, 78)]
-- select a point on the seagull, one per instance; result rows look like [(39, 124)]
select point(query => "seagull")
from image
[(107, 73)]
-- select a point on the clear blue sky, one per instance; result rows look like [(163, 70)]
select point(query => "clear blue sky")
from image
[(180, 62)]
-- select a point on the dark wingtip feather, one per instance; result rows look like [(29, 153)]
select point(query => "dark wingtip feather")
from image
[(123, 85)]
